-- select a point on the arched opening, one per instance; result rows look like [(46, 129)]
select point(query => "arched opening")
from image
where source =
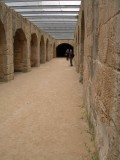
[(42, 50), (47, 49), (61, 49), (20, 50), (2, 50), (54, 51), (34, 50), (82, 47)]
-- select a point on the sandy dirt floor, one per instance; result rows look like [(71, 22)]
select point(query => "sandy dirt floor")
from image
[(42, 116)]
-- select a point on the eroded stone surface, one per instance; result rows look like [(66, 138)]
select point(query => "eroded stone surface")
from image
[(101, 72)]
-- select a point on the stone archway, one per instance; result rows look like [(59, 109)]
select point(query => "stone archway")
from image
[(34, 50), (20, 51), (61, 49), (2, 51), (47, 49), (42, 50)]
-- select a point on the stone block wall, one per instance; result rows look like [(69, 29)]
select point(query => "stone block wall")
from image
[(20, 44), (99, 67)]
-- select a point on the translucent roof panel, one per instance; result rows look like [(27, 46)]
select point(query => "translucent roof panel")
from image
[(57, 17)]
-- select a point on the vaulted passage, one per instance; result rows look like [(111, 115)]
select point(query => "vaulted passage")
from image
[(20, 50), (44, 114), (34, 50), (42, 50), (61, 49), (2, 50)]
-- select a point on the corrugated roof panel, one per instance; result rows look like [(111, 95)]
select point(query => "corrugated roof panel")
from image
[(49, 15)]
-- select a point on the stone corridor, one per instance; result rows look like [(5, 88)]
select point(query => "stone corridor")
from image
[(42, 115), (41, 104)]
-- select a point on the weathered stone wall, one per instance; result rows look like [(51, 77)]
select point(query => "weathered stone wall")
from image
[(22, 44), (99, 67), (19, 51), (6, 55)]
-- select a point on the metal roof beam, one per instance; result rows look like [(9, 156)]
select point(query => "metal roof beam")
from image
[(49, 18), (45, 6), (56, 27), (54, 23), (43, 13), (11, 1), (59, 31), (62, 25), (67, 20), (63, 36)]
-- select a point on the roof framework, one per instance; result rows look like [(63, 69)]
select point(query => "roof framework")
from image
[(57, 17)]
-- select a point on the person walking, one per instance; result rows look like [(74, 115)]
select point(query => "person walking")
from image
[(71, 56)]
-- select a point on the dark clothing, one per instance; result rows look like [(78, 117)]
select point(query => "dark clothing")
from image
[(71, 61), (71, 56)]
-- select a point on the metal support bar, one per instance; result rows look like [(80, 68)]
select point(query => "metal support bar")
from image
[(62, 17), (44, 6), (65, 31), (11, 1), (44, 13), (67, 20)]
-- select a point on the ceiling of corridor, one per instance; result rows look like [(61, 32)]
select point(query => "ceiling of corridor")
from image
[(56, 17)]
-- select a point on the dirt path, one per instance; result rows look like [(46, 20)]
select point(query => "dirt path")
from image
[(42, 116)]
